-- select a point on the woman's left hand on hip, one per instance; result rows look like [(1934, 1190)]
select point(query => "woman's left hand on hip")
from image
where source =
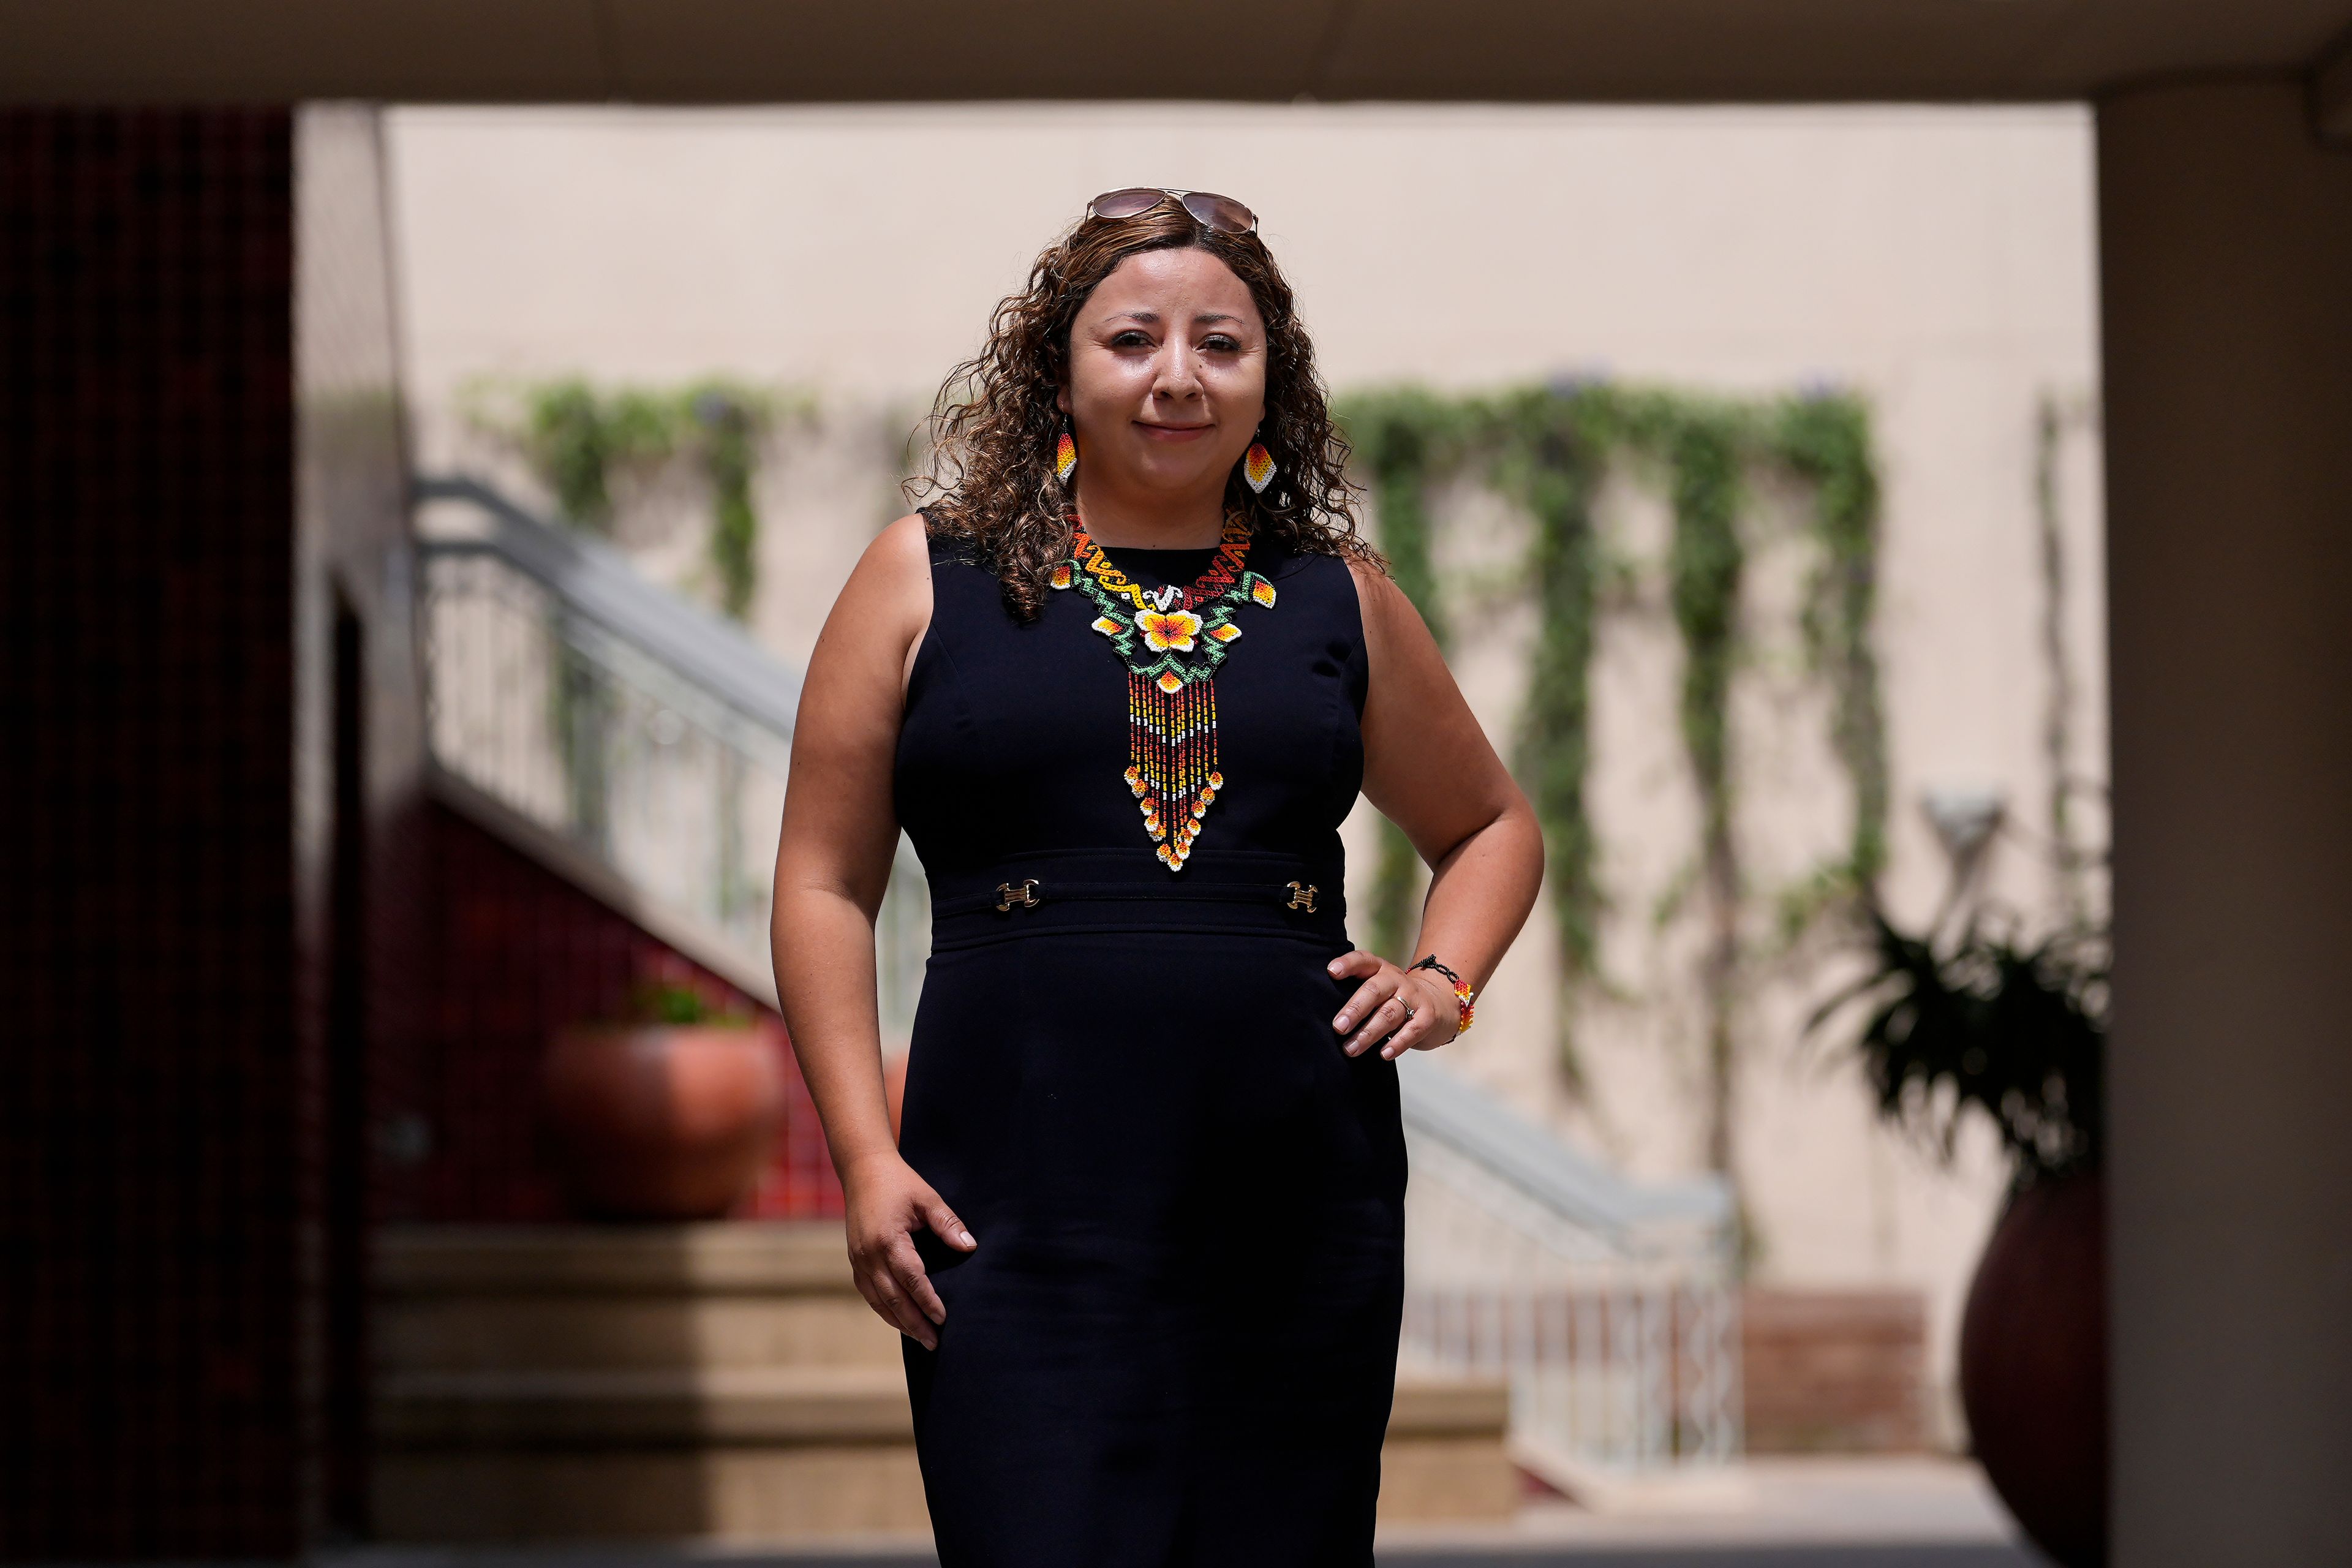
[(1395, 1009)]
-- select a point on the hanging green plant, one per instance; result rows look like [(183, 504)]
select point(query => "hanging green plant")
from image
[(1548, 446), (1824, 438), (578, 439), (1705, 566), (728, 421), (1400, 438), (575, 437), (1548, 450)]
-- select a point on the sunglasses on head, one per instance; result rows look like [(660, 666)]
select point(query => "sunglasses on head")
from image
[(1223, 213)]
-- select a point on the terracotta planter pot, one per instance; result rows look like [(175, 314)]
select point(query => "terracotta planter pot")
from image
[(2033, 1366), (662, 1122)]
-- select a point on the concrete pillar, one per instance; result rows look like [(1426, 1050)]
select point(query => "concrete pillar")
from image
[(2226, 241)]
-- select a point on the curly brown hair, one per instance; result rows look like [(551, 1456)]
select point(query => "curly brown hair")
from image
[(995, 424)]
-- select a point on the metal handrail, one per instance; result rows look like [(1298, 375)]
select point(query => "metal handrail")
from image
[(714, 657), (1610, 1304), (594, 614), (1447, 1108), (595, 583)]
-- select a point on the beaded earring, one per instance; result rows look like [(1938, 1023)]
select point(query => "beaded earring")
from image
[(1257, 467), (1066, 454)]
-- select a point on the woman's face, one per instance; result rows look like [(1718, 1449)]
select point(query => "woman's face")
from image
[(1167, 378)]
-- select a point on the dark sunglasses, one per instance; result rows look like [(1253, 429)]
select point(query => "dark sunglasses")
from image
[(1223, 213)]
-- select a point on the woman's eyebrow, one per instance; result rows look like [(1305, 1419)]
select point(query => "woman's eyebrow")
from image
[(1151, 317)]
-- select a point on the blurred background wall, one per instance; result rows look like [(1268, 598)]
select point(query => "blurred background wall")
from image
[(149, 428), (1936, 262), (208, 562)]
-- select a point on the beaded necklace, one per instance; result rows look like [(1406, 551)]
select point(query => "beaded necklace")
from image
[(1172, 640)]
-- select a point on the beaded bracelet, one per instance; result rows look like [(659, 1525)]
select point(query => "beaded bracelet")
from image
[(1463, 994)]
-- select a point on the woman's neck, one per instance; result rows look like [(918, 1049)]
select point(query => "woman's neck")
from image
[(1192, 522)]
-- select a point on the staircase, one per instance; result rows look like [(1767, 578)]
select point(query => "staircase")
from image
[(720, 1380), (717, 1382), (727, 1382)]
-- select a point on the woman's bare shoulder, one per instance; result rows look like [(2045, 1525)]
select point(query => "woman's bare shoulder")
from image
[(1402, 655), (901, 560), (893, 575), (884, 604), (1379, 600), (903, 548), (1370, 579)]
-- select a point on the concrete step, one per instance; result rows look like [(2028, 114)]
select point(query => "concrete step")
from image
[(624, 1333), (723, 1493), (774, 1455), (725, 1256), (720, 1382), (628, 1409), (1445, 1456), (765, 1405), (514, 1299)]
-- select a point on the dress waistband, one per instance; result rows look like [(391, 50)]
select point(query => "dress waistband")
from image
[(1258, 892)]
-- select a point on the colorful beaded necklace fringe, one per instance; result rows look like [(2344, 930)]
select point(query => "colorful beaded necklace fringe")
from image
[(1171, 641)]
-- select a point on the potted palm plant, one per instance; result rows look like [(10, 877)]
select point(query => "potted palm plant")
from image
[(665, 1111), (1986, 1025)]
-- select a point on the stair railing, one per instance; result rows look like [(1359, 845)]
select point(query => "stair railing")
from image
[(1610, 1308), (640, 745), (637, 742)]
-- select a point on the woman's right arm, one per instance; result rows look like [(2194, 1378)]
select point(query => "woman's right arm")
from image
[(832, 861)]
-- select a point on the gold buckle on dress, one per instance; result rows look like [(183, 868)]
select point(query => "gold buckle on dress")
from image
[(1008, 895), (1302, 896)]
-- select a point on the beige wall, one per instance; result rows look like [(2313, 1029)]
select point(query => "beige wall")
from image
[(1938, 259)]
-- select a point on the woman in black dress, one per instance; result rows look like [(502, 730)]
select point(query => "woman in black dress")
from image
[(1142, 1225)]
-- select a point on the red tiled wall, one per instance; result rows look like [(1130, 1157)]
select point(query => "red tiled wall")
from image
[(517, 951), (149, 1193), (1840, 1371), (178, 1327)]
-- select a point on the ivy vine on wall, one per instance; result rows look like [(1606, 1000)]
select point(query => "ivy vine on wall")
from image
[(1399, 437), (1548, 450), (578, 437), (1825, 441), (1545, 453)]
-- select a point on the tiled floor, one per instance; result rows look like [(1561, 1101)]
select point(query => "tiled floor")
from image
[(1761, 1506), (1768, 1513), (1940, 1554)]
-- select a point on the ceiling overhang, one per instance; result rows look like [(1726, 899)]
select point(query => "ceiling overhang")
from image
[(720, 51)]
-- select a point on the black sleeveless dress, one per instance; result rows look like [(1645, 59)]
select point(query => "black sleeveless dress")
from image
[(1176, 1340)]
